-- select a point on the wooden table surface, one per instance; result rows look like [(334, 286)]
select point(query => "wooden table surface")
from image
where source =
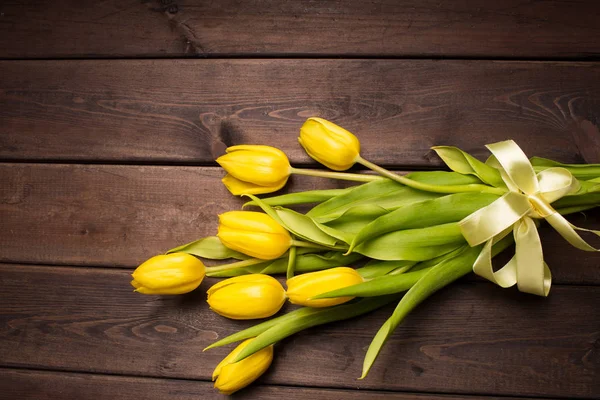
[(111, 116)]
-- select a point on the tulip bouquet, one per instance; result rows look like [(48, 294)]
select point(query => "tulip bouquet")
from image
[(391, 238)]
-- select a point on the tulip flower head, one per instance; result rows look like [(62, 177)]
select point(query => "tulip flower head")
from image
[(232, 377), (302, 288), (254, 169), (247, 297), (329, 144), (253, 233), (174, 273)]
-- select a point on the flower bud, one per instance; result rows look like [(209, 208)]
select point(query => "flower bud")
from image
[(329, 144), (174, 273), (303, 287), (253, 233), (233, 377), (247, 297), (254, 169)]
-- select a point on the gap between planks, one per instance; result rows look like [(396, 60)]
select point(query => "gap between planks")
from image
[(71, 379)]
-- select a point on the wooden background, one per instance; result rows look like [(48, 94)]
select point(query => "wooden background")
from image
[(111, 116)]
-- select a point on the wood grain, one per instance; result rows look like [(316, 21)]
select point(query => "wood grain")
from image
[(131, 28), (43, 385), (469, 338), (188, 111), (103, 215)]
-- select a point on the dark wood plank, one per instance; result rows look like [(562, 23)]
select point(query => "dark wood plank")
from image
[(469, 338), (473, 28), (103, 215), (188, 111), (42, 385)]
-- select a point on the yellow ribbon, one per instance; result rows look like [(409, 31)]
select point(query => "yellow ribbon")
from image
[(528, 198)]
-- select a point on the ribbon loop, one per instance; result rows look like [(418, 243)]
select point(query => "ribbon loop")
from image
[(529, 196)]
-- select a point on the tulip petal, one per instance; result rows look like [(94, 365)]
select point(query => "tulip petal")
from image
[(261, 165), (168, 271), (302, 288), (231, 377), (264, 246), (251, 221), (228, 358), (238, 187), (135, 284), (258, 148), (185, 288), (247, 297), (329, 144)]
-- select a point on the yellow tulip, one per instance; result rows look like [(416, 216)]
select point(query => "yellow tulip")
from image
[(254, 169), (174, 273), (253, 233), (329, 144), (233, 377), (247, 297), (303, 287)]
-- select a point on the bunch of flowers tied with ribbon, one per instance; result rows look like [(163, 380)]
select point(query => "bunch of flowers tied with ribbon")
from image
[(389, 238)]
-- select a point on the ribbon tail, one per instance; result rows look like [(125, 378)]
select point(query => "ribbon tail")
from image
[(533, 275), (507, 275), (567, 231)]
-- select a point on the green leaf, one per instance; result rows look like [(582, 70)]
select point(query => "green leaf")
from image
[(352, 221), (579, 171), (585, 187), (444, 178), (345, 237), (434, 279), (312, 317), (386, 194), (339, 204), (464, 163), (392, 283), (379, 286), (358, 215), (260, 328), (587, 199), (209, 247), (304, 227), (304, 263), (574, 209), (310, 196), (413, 244), (375, 268), (450, 208), (289, 274), (299, 224)]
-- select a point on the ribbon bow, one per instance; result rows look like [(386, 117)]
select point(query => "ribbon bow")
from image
[(528, 198)]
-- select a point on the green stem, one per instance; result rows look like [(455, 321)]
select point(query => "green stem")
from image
[(238, 264), (300, 243), (336, 175), (426, 186)]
